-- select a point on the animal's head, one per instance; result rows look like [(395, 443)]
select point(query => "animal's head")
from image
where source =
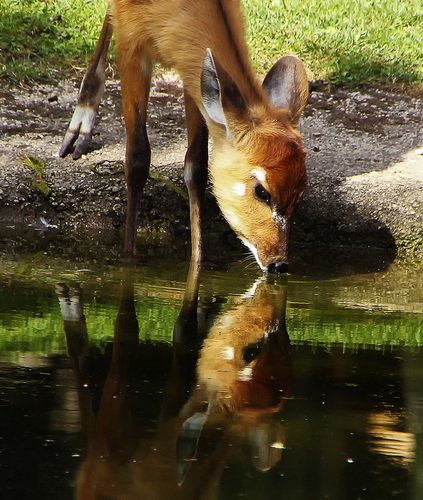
[(258, 170)]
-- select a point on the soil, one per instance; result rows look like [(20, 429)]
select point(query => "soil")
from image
[(365, 167)]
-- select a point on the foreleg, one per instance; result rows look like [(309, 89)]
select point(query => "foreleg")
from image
[(195, 173), (135, 73)]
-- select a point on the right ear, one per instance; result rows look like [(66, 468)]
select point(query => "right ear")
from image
[(286, 85), (219, 92)]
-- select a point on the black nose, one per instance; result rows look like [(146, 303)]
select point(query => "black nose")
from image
[(278, 267)]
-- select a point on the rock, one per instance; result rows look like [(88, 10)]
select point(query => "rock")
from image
[(365, 165)]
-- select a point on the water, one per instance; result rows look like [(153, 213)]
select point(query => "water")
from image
[(118, 383)]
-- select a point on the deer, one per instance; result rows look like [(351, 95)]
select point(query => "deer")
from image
[(257, 170), (227, 384)]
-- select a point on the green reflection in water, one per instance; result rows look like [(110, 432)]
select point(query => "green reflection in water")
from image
[(375, 309), (344, 397)]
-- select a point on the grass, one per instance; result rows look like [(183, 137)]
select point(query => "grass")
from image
[(40, 40), (344, 41), (347, 42), (38, 168)]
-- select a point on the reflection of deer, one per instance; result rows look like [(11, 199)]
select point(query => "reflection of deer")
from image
[(241, 377), (387, 439)]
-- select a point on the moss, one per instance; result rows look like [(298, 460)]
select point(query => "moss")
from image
[(410, 248), (168, 184), (38, 166)]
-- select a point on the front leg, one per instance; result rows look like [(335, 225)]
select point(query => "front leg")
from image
[(78, 135), (195, 174), (135, 73)]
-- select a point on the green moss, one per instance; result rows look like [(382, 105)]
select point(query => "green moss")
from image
[(168, 184), (410, 249), (38, 166)]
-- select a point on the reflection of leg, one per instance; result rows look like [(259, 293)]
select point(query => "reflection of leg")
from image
[(113, 432), (186, 344), (266, 442), (71, 308), (126, 324), (70, 301), (187, 444)]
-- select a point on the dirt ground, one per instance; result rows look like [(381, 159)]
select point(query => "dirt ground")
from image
[(365, 167)]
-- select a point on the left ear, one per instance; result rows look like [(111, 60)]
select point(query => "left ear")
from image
[(220, 94), (286, 85)]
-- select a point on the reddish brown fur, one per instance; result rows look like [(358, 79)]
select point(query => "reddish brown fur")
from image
[(284, 162), (275, 147), (279, 151), (177, 33), (243, 324)]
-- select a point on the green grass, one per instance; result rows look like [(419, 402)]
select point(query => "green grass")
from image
[(347, 42), (38, 326), (344, 41), (39, 40)]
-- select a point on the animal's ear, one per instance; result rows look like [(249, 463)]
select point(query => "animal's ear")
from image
[(219, 92), (286, 85)]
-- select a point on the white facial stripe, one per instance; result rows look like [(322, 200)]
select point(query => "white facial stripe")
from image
[(254, 252), (239, 188), (228, 353), (259, 174), (249, 294), (245, 374)]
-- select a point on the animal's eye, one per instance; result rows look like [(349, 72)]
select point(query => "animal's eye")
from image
[(262, 194)]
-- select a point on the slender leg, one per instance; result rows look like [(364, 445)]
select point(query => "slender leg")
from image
[(135, 73), (195, 173), (113, 426), (81, 126), (72, 310), (187, 341)]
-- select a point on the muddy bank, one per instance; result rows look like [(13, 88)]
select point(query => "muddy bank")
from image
[(365, 168)]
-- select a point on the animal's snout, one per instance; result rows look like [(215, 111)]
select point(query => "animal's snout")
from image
[(278, 267)]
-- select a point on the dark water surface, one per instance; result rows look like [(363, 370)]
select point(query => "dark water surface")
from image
[(118, 383)]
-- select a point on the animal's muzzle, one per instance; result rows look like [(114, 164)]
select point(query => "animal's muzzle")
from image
[(278, 267)]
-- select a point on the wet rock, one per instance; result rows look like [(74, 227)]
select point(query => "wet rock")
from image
[(365, 185)]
